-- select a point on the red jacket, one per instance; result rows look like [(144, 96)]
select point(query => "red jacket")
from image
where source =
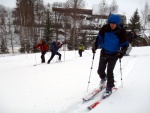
[(43, 47)]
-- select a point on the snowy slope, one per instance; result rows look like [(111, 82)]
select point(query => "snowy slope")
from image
[(59, 87)]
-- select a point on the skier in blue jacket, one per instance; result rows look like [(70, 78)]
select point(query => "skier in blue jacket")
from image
[(112, 39), (54, 47)]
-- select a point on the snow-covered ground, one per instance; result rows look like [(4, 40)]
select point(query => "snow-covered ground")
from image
[(59, 87)]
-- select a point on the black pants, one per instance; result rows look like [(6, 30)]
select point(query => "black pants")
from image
[(109, 61), (53, 54), (43, 57), (80, 53)]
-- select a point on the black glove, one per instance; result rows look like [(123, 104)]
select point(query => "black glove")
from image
[(93, 50), (120, 54)]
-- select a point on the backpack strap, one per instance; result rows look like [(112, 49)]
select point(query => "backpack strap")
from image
[(103, 30)]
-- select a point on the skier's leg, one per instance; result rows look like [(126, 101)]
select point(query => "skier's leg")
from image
[(110, 68), (80, 53), (102, 67), (43, 57), (57, 53), (52, 56)]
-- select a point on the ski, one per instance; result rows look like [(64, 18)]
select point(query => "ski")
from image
[(92, 106), (92, 94)]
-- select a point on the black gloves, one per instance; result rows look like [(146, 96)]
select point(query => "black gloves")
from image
[(94, 47), (120, 54)]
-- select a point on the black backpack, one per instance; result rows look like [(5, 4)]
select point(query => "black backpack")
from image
[(130, 36)]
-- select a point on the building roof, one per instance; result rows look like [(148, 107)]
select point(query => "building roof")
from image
[(79, 11), (70, 10)]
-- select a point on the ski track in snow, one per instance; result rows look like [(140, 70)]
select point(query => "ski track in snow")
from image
[(127, 64)]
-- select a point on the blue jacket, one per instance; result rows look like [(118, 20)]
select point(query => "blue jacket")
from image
[(54, 47), (112, 40)]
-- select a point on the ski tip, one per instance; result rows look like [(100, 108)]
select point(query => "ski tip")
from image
[(103, 97), (89, 108), (84, 100), (93, 105)]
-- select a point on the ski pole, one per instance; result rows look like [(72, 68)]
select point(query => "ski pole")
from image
[(35, 60), (64, 47), (90, 71), (121, 71)]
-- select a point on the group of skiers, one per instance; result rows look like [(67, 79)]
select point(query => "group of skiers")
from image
[(114, 42), (54, 47)]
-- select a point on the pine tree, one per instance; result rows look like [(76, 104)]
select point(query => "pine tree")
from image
[(133, 25), (3, 47), (135, 21), (48, 30)]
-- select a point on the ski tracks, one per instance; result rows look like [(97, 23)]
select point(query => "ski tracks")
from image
[(127, 65)]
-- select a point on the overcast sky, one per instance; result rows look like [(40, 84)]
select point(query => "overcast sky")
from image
[(127, 7)]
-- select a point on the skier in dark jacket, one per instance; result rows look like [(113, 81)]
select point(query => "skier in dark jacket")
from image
[(43, 48), (54, 47), (112, 39)]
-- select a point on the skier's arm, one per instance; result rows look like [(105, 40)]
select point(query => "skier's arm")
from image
[(38, 45), (97, 43)]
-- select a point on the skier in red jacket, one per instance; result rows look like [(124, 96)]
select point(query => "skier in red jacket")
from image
[(43, 49)]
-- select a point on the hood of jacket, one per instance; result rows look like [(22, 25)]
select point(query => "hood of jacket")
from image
[(114, 19)]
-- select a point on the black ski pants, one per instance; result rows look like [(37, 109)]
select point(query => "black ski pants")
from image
[(80, 52), (53, 54), (43, 56), (107, 61)]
